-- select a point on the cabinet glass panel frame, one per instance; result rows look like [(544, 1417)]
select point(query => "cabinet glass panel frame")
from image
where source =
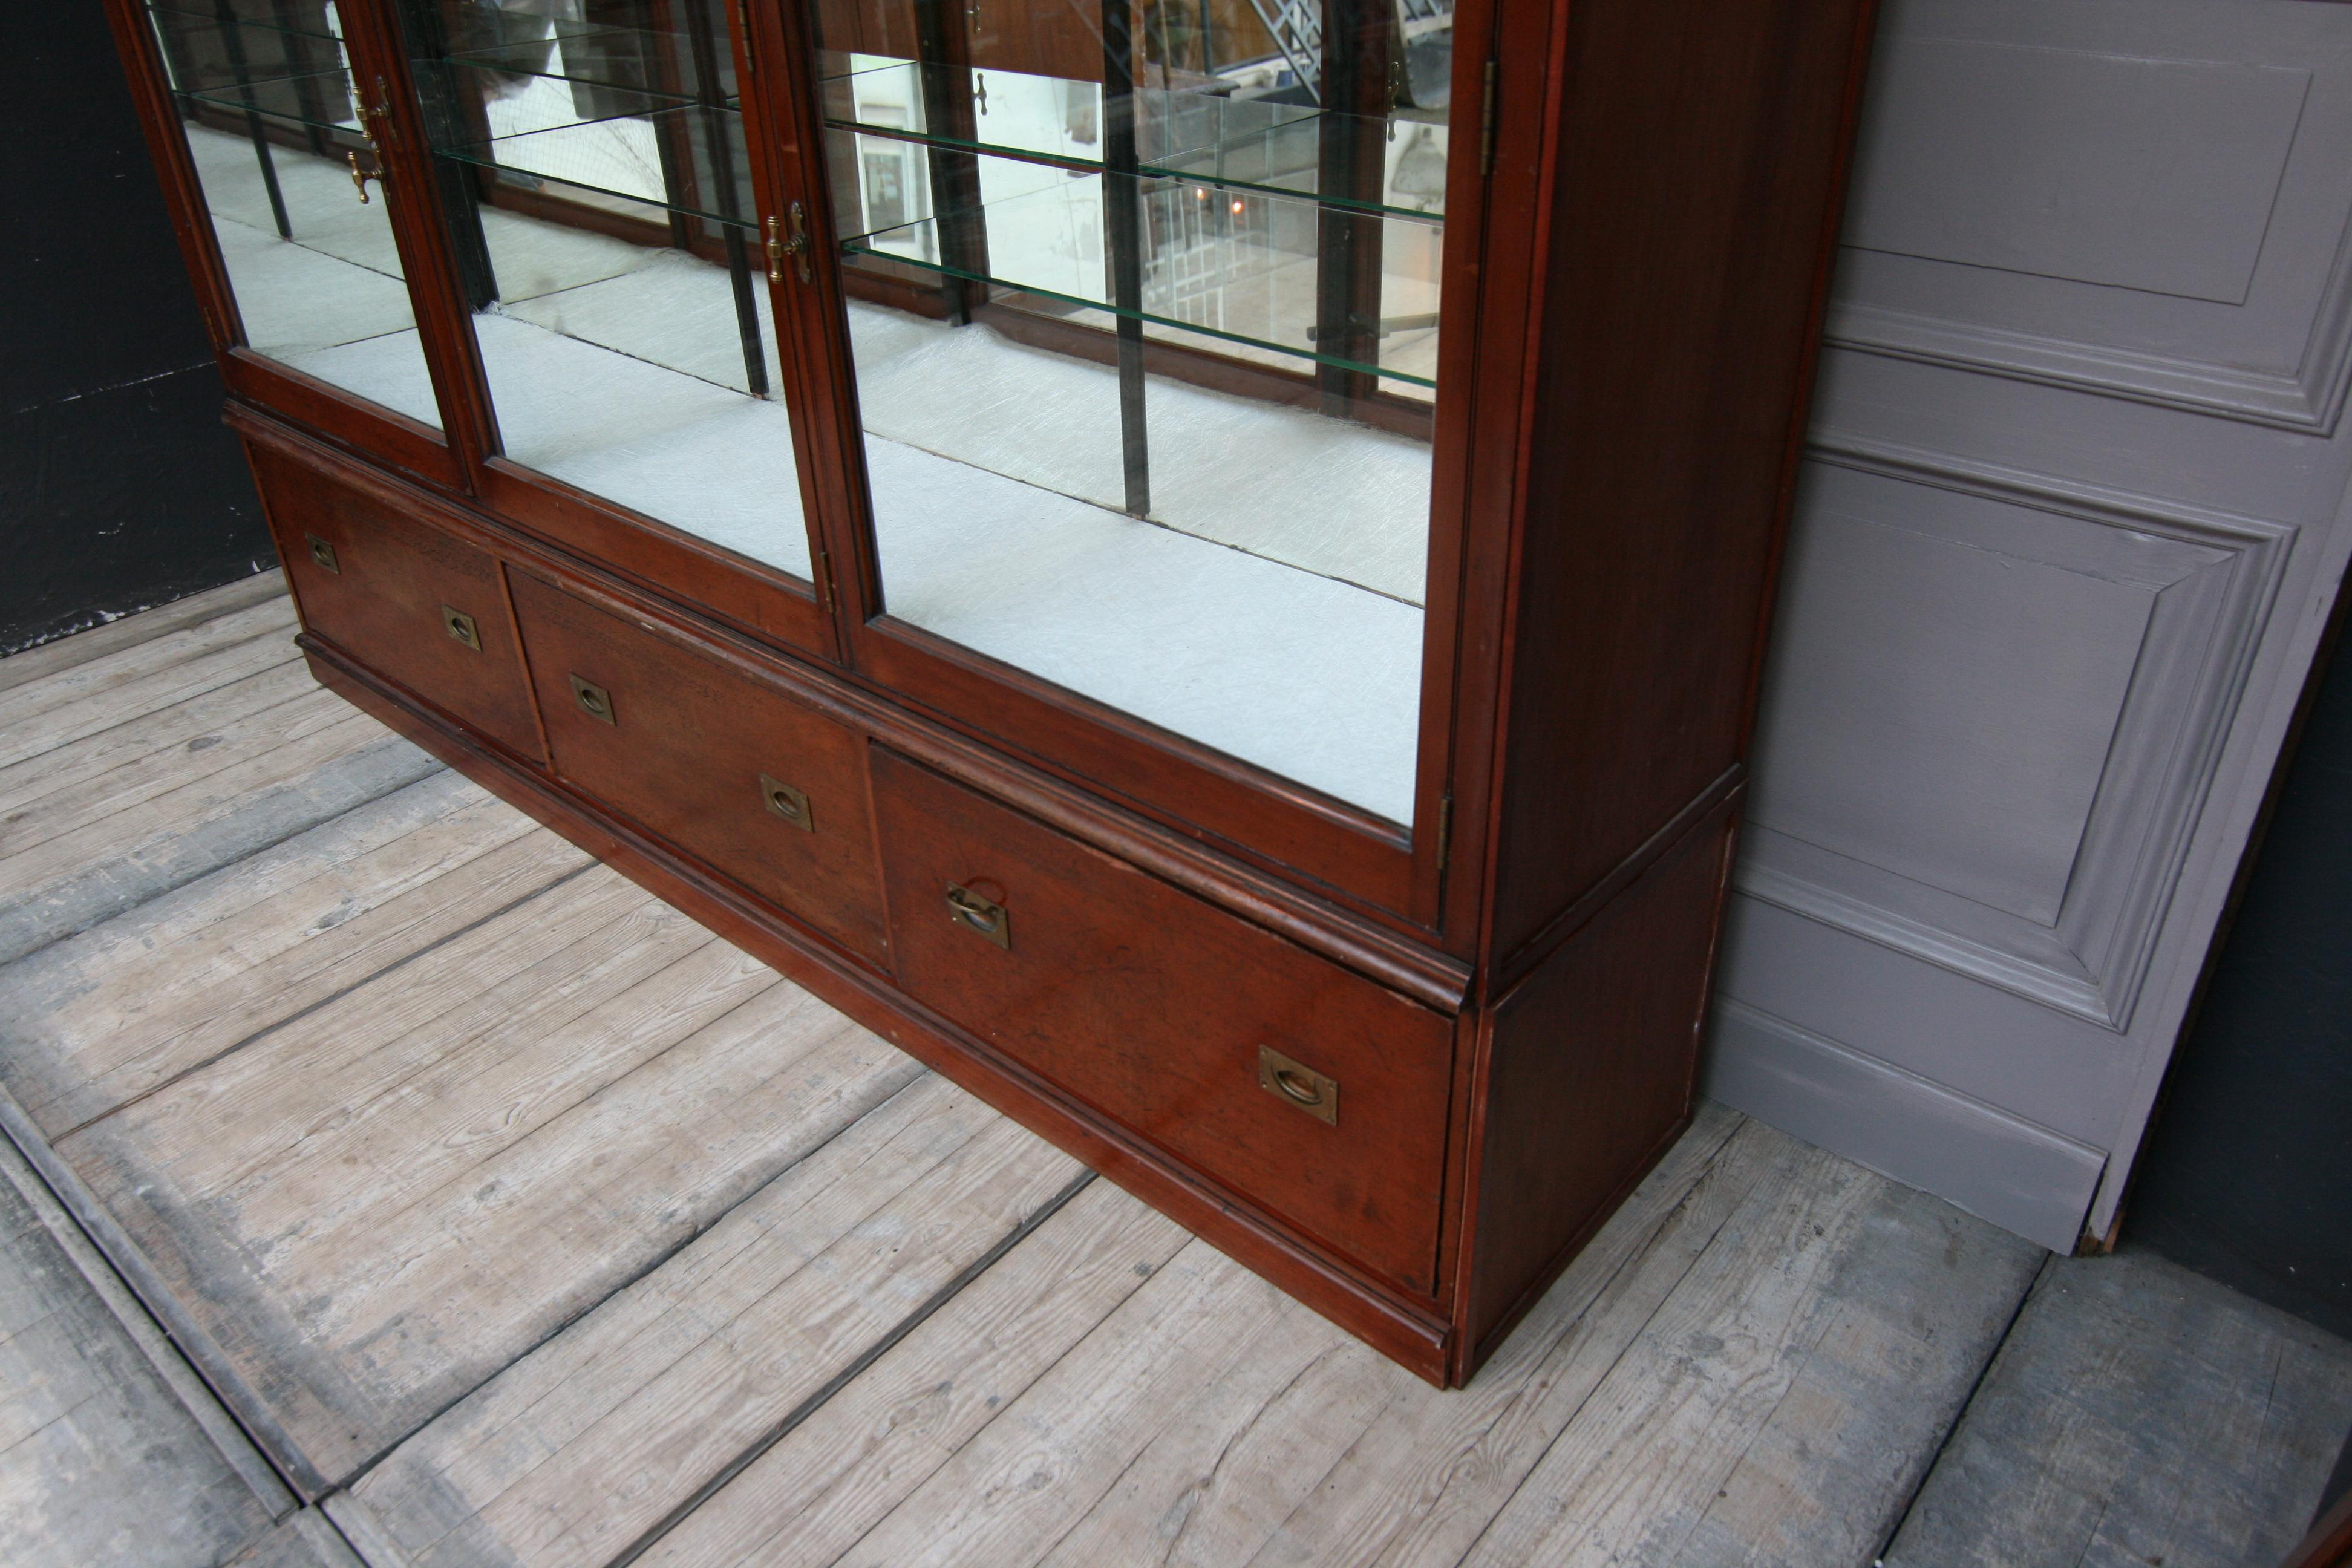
[(603, 192), (1384, 852), (268, 117)]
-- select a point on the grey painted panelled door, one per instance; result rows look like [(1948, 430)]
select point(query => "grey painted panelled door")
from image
[(2074, 512)]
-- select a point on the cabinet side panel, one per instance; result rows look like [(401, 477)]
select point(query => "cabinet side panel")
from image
[(1590, 1064), (1702, 154)]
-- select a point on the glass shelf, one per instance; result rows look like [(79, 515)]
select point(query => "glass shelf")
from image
[(187, 20), (555, 57), (1243, 145), (283, 98), (1241, 268), (616, 156), (1308, 356)]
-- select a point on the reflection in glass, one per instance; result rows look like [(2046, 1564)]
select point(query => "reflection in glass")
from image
[(265, 98), (592, 168), (1145, 312)]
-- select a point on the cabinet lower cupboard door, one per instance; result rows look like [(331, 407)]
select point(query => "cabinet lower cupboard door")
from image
[(1311, 1092), (402, 597), (729, 769)]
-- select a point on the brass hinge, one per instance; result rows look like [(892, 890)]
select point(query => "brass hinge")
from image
[(743, 26), (1486, 121), (1444, 828), (824, 579)]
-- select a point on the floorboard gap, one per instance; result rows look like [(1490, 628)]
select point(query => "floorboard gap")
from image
[(244, 1408), (80, 926), (654, 1263), (230, 1437), (1944, 1443), (403, 962), (849, 1373)]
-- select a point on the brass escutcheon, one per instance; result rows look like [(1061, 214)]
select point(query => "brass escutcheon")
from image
[(593, 700), (323, 553), (460, 628), (968, 910), (788, 802), (1298, 1085)]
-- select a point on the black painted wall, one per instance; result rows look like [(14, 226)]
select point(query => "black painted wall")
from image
[(119, 487), (2248, 1177)]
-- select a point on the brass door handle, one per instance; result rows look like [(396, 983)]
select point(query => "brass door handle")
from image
[(360, 177), (1298, 1085), (968, 910)]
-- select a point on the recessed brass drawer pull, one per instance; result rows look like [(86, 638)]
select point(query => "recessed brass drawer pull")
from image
[(968, 909), (460, 628), (593, 700), (1299, 1085), (788, 802), (323, 554)]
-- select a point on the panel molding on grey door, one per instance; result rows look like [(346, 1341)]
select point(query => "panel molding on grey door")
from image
[(2078, 498), (2147, 200), (2035, 1180), (1926, 593)]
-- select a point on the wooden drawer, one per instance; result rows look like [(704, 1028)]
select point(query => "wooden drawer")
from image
[(732, 770), (402, 597), (1154, 1007)]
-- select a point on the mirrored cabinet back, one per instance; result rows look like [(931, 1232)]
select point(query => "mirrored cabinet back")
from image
[(1198, 564)]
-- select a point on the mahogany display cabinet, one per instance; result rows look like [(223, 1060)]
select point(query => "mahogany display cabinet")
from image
[(1199, 565)]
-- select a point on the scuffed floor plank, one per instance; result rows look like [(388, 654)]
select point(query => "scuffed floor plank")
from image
[(99, 1462), (1789, 1395), (100, 774), (1782, 1338), (813, 1495), (591, 1443), (276, 788), (42, 715), (305, 1540), (89, 1022), (114, 637), (1242, 1408), (2138, 1414), (377, 1205), (1427, 1473)]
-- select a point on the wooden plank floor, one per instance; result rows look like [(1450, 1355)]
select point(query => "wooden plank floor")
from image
[(2119, 1368), (504, 1217)]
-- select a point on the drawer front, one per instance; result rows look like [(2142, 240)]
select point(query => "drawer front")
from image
[(401, 597), (741, 777), (1203, 1033)]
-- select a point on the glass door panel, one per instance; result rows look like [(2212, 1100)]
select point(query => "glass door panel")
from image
[(1144, 315), (279, 135), (593, 172)]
